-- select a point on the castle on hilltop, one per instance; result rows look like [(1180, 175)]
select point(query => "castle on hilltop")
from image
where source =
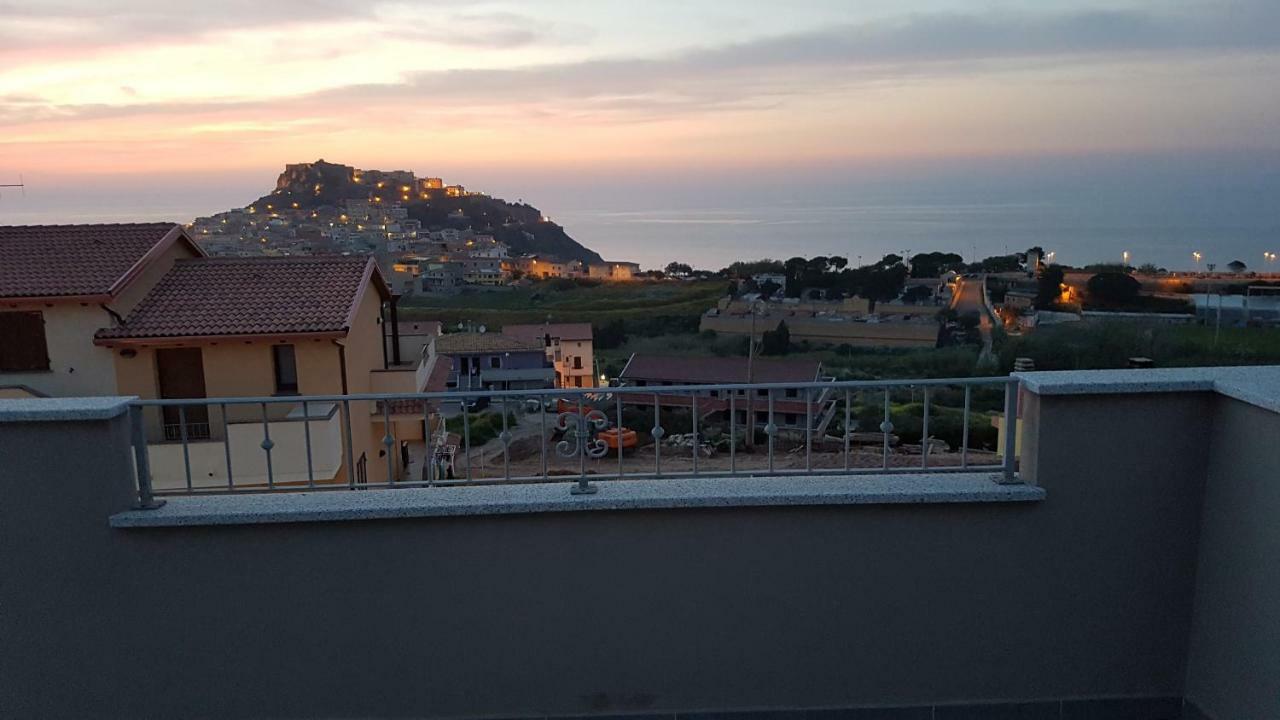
[(401, 182)]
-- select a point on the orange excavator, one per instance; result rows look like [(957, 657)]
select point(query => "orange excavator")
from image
[(612, 435)]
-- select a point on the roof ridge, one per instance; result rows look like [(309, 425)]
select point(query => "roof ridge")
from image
[(157, 223)]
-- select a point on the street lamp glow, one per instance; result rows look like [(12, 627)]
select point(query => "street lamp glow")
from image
[(1125, 255)]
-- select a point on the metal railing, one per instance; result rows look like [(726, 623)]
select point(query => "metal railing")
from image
[(585, 434)]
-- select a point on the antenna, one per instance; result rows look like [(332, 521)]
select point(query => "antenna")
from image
[(18, 184)]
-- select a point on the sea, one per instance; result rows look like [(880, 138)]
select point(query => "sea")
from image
[(1159, 209)]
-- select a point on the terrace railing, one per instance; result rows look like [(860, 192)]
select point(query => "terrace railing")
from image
[(582, 435)]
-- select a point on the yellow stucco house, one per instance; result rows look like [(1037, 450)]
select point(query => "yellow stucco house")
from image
[(266, 327), (569, 346), (59, 284)]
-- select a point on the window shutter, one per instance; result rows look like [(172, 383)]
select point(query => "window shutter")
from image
[(22, 342)]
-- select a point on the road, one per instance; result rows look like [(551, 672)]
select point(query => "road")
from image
[(970, 300)]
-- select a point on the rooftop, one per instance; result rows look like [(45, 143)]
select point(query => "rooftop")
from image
[(46, 261), (250, 296), (536, 331), (471, 342), (718, 369)]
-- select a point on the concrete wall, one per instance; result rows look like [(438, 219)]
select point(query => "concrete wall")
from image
[(1086, 594), (1235, 639)]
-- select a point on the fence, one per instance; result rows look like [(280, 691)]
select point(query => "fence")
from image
[(582, 434)]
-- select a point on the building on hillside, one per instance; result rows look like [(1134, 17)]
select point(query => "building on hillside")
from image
[(490, 361), (539, 266), (442, 277), (60, 283), (851, 321), (258, 327), (612, 270), (791, 409), (482, 270), (455, 190), (569, 347)]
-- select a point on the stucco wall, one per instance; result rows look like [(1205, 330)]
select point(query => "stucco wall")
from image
[(1086, 594), (77, 367), (1235, 640), (364, 346)]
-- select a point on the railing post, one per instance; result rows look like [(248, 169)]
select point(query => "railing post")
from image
[(142, 463), (1009, 474)]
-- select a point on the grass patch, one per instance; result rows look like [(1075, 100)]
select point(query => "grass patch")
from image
[(571, 301), (1109, 345)]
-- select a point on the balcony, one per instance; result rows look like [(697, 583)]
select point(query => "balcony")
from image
[(1120, 565), (305, 447)]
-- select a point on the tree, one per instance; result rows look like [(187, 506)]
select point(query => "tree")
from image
[(1049, 286), (918, 294), (776, 342), (678, 269), (611, 335), (1148, 269), (1236, 266), (1113, 288), (768, 288), (934, 264), (999, 264)]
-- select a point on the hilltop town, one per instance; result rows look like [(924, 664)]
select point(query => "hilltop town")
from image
[(428, 236)]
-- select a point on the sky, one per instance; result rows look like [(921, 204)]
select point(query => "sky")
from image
[(194, 107)]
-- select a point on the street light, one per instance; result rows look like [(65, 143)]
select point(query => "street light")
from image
[(1125, 255)]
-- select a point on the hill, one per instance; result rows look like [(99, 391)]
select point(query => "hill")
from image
[(319, 188)]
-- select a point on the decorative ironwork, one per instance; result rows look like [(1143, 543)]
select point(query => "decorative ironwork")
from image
[(580, 434)]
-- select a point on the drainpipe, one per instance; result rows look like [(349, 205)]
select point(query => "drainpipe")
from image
[(395, 330), (114, 315), (342, 364), (382, 315)]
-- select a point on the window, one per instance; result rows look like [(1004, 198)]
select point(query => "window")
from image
[(790, 419), (286, 369), (792, 392), (24, 347), (577, 362), (495, 362)]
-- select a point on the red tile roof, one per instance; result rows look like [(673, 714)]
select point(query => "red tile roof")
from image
[(537, 331), (474, 342), (251, 296), (705, 370), (45, 261)]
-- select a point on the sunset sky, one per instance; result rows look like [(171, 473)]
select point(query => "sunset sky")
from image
[(520, 90)]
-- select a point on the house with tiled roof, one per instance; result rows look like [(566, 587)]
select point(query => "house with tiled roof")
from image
[(61, 283), (787, 408), (569, 347), (265, 327), (490, 361)]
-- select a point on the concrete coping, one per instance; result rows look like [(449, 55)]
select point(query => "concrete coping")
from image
[(1256, 385), (650, 494), (63, 409)]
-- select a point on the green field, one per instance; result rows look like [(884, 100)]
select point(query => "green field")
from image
[(569, 301)]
